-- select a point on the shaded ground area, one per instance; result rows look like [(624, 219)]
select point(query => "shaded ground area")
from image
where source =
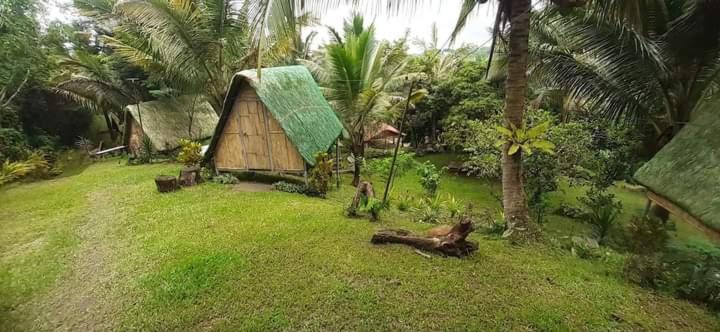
[(103, 250), (252, 187)]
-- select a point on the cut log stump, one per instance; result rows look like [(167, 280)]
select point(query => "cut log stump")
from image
[(363, 192), (448, 242), (190, 176), (166, 183)]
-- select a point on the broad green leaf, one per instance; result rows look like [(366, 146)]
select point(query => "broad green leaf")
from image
[(504, 131), (513, 149), (538, 130)]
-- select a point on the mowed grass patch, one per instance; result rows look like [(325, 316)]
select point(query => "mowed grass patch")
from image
[(209, 257)]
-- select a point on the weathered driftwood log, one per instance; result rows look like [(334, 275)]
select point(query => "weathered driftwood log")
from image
[(364, 189), (166, 183), (445, 240), (190, 176)]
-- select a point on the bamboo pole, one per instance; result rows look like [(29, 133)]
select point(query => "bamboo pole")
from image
[(398, 142)]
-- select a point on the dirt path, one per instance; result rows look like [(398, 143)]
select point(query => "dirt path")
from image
[(81, 300)]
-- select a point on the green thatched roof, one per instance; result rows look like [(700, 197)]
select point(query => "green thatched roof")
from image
[(166, 121), (687, 170), (295, 101)]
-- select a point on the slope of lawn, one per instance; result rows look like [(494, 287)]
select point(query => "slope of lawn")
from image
[(102, 250)]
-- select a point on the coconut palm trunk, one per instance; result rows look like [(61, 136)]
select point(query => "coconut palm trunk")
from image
[(358, 150), (520, 227)]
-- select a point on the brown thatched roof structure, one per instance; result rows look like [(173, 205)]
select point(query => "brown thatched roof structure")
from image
[(166, 121), (686, 172)]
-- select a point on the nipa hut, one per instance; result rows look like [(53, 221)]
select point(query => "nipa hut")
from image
[(166, 121), (381, 134), (684, 177), (275, 123)]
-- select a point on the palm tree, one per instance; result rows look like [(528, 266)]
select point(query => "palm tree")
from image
[(633, 69), (89, 81), (361, 78)]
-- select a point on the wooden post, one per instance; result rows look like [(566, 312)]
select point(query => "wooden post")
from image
[(337, 162), (305, 172), (397, 144)]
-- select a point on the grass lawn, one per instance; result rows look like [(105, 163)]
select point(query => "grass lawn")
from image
[(102, 250)]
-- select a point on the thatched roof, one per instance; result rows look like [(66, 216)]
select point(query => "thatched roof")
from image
[(687, 170), (379, 131), (166, 121), (295, 101)]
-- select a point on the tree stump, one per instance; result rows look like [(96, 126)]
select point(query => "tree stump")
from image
[(166, 183), (190, 176), (448, 242), (364, 189)]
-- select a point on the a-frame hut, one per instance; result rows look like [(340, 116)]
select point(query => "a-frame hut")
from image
[(166, 121), (275, 123), (684, 177)]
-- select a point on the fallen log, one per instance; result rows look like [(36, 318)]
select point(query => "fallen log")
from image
[(166, 183), (443, 240)]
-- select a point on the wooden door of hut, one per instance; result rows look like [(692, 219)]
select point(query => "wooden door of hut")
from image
[(253, 139)]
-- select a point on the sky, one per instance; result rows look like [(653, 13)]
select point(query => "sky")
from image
[(442, 12)]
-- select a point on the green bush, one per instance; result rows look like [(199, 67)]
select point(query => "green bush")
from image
[(13, 146), (146, 150), (288, 187), (646, 270), (429, 211), (453, 206), (373, 206), (429, 178), (225, 179), (645, 236), (319, 177), (569, 211), (699, 281), (190, 152), (380, 167), (602, 210), (405, 202)]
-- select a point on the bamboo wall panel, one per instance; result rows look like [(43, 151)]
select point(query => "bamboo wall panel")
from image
[(252, 124), (230, 153), (253, 139)]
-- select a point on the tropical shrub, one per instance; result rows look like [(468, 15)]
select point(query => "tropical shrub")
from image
[(288, 187), (701, 282), (226, 179), (11, 171), (380, 167), (645, 235), (453, 206), (601, 212), (190, 152), (320, 175), (494, 223), (645, 270), (429, 211), (146, 150), (404, 202), (429, 178), (39, 166), (12, 145), (373, 206), (569, 211)]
